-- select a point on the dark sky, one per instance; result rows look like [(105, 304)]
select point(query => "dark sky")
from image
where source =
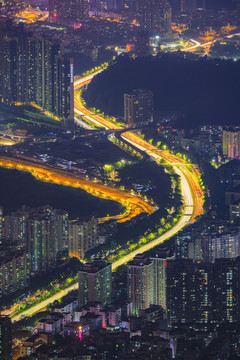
[(211, 4), (220, 3)]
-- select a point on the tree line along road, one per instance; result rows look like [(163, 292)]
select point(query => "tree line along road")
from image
[(190, 188)]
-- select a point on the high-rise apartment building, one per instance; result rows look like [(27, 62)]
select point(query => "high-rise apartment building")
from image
[(138, 107), (63, 11), (83, 236), (188, 287), (163, 18), (14, 271), (15, 228), (208, 247), (35, 69), (147, 281), (8, 63), (5, 338), (231, 143), (203, 292), (61, 228), (159, 280), (46, 237), (146, 13), (226, 297), (42, 243), (53, 78), (17, 66), (221, 246), (155, 16), (95, 283), (43, 232), (140, 283)]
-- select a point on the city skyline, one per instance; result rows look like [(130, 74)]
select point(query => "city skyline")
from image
[(119, 179)]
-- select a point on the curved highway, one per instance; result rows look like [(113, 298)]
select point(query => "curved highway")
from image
[(190, 187), (197, 44), (133, 205)]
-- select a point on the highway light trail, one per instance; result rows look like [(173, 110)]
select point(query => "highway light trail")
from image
[(133, 205), (190, 176), (199, 45), (192, 194)]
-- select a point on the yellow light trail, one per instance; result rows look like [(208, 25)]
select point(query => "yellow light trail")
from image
[(190, 188), (134, 205)]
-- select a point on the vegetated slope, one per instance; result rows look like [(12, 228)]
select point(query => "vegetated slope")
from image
[(202, 90)]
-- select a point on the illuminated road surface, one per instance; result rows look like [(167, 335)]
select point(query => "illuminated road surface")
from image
[(133, 205), (33, 310), (191, 176), (191, 195), (188, 211), (199, 45)]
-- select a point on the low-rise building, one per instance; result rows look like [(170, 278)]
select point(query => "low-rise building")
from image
[(235, 211), (114, 316), (54, 323), (76, 330), (67, 307), (29, 346), (93, 320)]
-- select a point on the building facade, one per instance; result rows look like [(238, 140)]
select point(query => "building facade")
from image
[(35, 70), (159, 281), (231, 143), (42, 232), (138, 107), (14, 271), (155, 16), (208, 247), (221, 246), (203, 292), (188, 287), (146, 281), (5, 338), (95, 283), (226, 275), (68, 12), (83, 236), (140, 283)]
